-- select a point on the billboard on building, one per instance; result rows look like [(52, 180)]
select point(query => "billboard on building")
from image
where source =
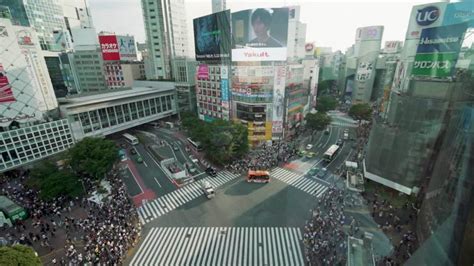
[(364, 71), (6, 92), (260, 34), (438, 50), (109, 47), (369, 33), (127, 49), (425, 16), (212, 39), (203, 71), (278, 99), (392, 47), (459, 12)]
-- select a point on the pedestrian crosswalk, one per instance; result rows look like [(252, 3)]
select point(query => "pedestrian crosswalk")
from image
[(164, 204), (343, 124), (299, 181), (221, 246)]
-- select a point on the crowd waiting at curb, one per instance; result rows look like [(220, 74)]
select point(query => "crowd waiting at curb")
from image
[(104, 236)]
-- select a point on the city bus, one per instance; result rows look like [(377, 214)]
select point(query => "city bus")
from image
[(12, 210), (195, 144), (331, 153), (130, 139), (258, 176)]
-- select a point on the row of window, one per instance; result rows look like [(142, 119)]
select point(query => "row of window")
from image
[(210, 113), (210, 107), (213, 93), (115, 115)]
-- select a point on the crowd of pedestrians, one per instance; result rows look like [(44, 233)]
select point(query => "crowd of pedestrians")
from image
[(102, 235), (324, 236), (263, 158)]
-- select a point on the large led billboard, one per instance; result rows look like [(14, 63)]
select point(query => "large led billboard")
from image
[(212, 36), (260, 34)]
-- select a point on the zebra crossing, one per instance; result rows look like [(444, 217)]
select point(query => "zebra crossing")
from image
[(343, 124), (168, 202), (221, 246), (299, 181)]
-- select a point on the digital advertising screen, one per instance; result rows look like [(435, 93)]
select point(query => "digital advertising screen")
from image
[(260, 34), (212, 38)]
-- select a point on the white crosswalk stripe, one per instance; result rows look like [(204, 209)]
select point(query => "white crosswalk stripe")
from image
[(164, 204), (221, 246), (299, 181), (343, 124)]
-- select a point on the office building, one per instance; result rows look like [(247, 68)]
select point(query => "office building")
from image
[(166, 35), (44, 16), (185, 83), (218, 6), (90, 71)]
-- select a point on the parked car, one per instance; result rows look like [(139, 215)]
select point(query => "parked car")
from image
[(309, 146), (133, 151)]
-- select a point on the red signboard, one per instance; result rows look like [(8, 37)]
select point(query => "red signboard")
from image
[(6, 93), (109, 47)]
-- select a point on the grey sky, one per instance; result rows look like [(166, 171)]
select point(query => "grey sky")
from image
[(329, 23)]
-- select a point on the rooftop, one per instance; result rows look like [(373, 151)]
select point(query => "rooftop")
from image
[(78, 100)]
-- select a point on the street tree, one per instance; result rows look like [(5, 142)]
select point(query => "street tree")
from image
[(317, 121), (361, 111), (53, 182), (326, 103), (93, 156), (18, 255)]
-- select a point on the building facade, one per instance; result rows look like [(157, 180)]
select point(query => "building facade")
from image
[(90, 71), (108, 113), (166, 35), (209, 91), (185, 82)]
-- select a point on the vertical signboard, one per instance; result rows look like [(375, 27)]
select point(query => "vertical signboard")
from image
[(6, 93), (260, 34), (278, 99), (203, 72), (127, 49), (109, 47), (438, 50), (424, 16)]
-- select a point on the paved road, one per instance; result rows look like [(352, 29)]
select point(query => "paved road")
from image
[(221, 246)]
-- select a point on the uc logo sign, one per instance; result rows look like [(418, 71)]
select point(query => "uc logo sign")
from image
[(427, 15)]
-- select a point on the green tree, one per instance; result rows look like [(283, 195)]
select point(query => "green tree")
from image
[(93, 156), (18, 255), (317, 121), (326, 103), (53, 183), (324, 86), (361, 111)]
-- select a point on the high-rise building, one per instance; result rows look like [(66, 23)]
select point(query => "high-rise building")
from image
[(218, 6), (44, 16), (166, 35), (185, 83), (296, 35)]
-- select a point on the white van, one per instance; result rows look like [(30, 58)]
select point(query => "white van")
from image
[(208, 189)]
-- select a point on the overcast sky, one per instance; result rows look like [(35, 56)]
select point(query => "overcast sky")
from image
[(329, 23)]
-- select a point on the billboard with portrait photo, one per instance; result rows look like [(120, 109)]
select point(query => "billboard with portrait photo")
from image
[(212, 36), (260, 34)]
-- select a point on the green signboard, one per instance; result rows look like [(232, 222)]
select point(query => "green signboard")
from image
[(436, 65)]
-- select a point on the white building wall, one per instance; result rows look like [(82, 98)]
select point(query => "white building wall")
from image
[(218, 6), (24, 65)]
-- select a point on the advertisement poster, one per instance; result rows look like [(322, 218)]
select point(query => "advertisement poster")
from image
[(438, 51), (392, 47), (109, 47), (278, 99), (6, 92), (203, 71), (459, 12), (225, 89), (364, 71), (212, 36), (260, 34), (369, 33), (127, 48)]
